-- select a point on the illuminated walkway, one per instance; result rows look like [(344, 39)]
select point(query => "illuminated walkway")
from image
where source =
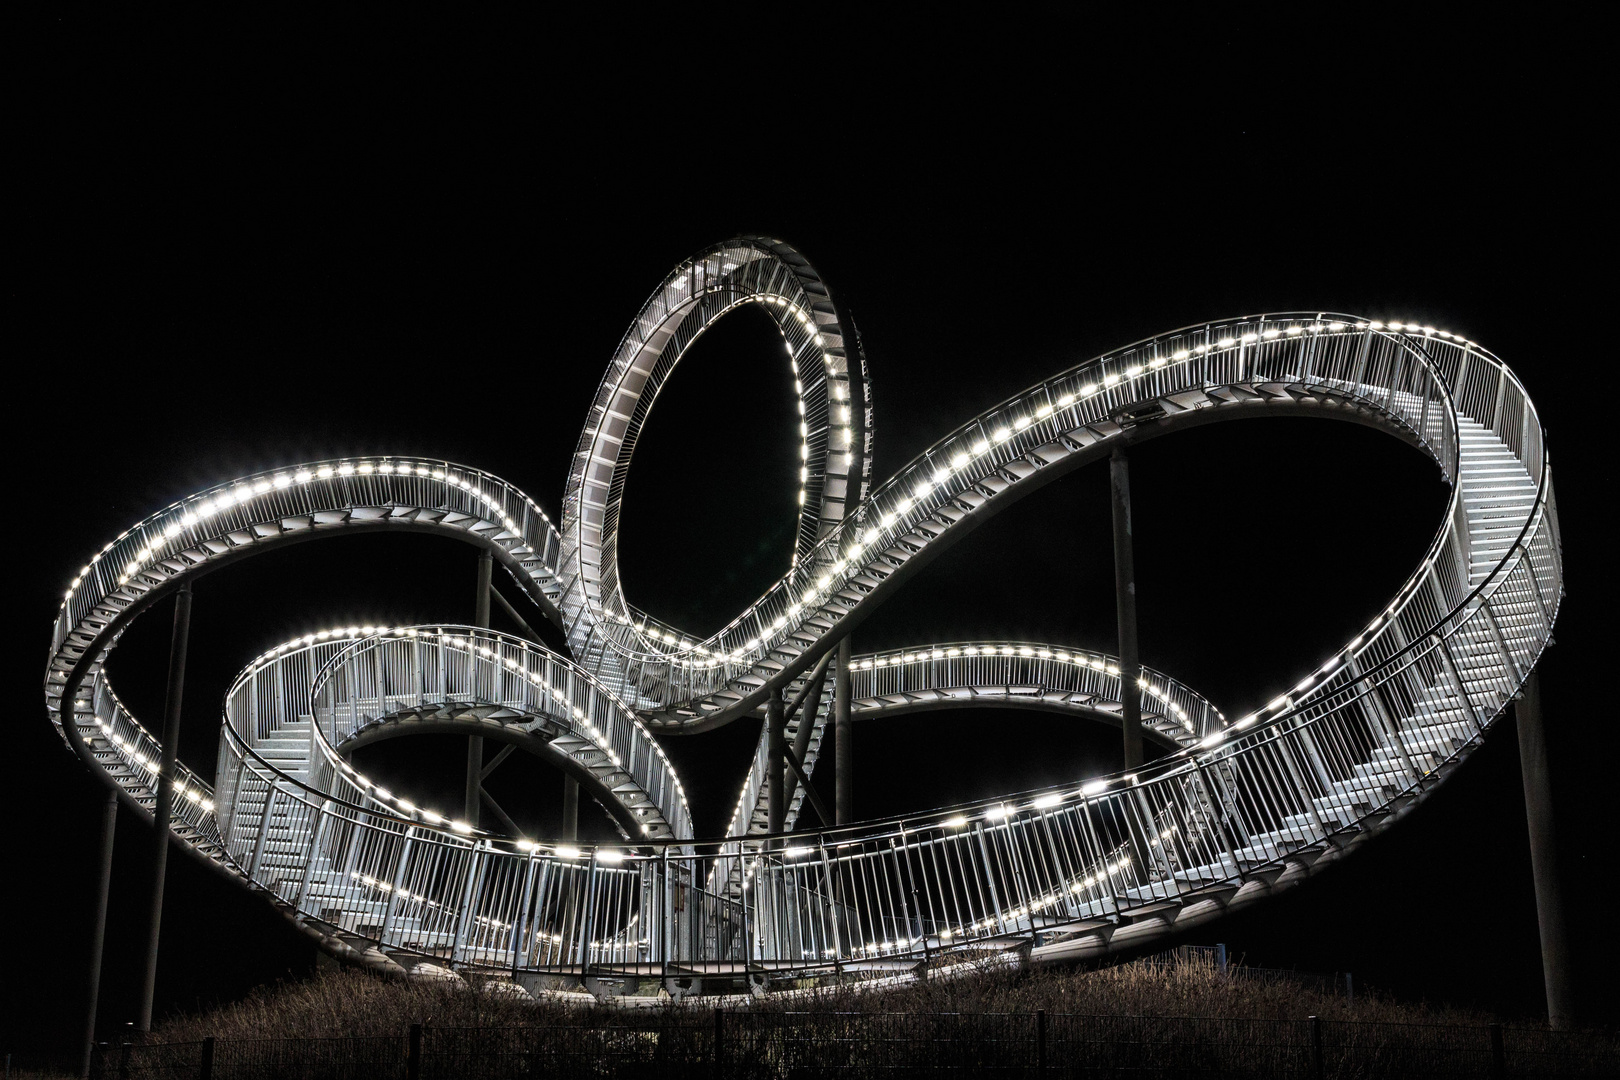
[(1237, 809)]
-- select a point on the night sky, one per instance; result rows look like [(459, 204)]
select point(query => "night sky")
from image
[(238, 248)]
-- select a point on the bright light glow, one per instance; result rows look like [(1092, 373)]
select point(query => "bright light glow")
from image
[(955, 822), (1047, 801), (1093, 787), (564, 851), (609, 855)]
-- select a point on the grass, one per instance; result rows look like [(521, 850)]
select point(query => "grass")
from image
[(359, 1004), (1178, 1017)]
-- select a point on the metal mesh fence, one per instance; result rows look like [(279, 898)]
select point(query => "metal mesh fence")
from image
[(680, 1043)]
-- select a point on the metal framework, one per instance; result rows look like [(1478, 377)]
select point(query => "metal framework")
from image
[(1237, 810)]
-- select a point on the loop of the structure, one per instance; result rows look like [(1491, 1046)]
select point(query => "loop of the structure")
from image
[(1235, 810), (832, 430)]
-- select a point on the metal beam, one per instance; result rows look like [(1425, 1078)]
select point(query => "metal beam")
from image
[(1130, 665), (811, 697), (475, 743), (98, 932), (494, 762), (792, 760), (506, 819), (817, 676), (1556, 967), (163, 808), (511, 613), (475, 776), (775, 752), (843, 740), (486, 568)]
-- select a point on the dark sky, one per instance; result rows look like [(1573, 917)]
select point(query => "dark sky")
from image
[(241, 247)]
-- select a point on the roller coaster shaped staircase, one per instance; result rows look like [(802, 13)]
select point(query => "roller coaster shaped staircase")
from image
[(1234, 811)]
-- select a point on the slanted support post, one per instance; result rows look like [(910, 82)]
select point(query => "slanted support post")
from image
[(1538, 810), (843, 741), (807, 705), (1130, 665), (98, 929), (475, 744), (163, 809), (776, 761)]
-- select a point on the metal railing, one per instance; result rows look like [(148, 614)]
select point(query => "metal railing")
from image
[(1353, 743), (1396, 379)]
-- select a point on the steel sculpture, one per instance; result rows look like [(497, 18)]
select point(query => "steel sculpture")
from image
[(1237, 810)]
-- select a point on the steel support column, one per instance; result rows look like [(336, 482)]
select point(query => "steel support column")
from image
[(475, 744), (843, 741), (1555, 955), (163, 809), (776, 761), (98, 929), (1130, 665)]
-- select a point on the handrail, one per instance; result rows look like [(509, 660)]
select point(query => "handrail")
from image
[(1352, 745)]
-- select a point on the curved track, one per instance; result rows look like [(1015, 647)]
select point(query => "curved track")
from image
[(1235, 810)]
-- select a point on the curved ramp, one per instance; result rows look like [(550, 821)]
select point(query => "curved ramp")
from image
[(1235, 811)]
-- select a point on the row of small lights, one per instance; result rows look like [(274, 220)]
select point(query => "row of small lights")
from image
[(405, 806), (242, 491), (964, 458), (1100, 663), (873, 948), (896, 659), (128, 749), (838, 391), (1000, 435)]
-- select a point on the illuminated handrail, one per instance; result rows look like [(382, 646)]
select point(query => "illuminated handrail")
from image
[(1071, 870)]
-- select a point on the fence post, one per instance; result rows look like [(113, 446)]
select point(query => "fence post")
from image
[(1498, 1054), (719, 1043), (123, 1062), (1220, 957), (413, 1054), (1040, 1040), (205, 1067), (1349, 989), (1318, 1070)]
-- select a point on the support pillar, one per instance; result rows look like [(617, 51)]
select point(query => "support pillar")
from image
[(98, 930), (1556, 961), (475, 744), (776, 761), (570, 825), (1130, 665), (471, 803), (163, 810), (843, 741)]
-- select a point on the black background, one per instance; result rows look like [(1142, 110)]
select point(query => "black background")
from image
[(238, 247)]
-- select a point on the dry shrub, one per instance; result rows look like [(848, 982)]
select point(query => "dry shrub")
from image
[(357, 1003)]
